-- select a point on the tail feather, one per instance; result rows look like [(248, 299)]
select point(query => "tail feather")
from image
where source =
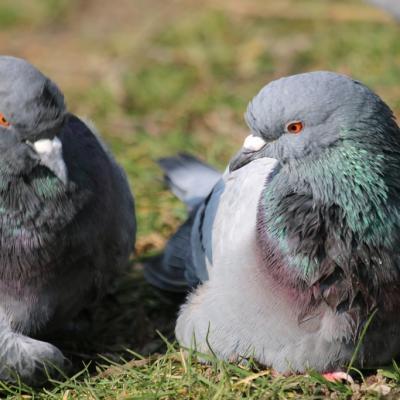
[(189, 179)]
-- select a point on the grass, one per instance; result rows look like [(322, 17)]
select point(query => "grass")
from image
[(160, 77), (177, 374)]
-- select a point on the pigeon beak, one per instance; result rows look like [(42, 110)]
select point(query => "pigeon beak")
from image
[(50, 154), (253, 148)]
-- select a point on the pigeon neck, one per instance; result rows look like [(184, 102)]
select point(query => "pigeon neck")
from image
[(26, 196), (305, 210)]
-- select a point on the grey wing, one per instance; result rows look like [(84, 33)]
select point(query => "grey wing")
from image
[(201, 235), (188, 254), (184, 261)]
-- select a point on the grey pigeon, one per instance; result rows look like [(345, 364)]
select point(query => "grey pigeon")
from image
[(297, 246), (390, 6), (67, 221)]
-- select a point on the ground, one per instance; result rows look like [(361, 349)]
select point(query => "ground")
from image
[(162, 76)]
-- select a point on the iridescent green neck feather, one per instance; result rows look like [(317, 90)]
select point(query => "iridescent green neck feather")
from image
[(361, 182)]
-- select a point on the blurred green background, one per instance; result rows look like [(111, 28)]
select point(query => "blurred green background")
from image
[(162, 76)]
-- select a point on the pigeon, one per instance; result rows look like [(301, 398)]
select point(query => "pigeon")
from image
[(390, 6), (292, 255), (67, 221)]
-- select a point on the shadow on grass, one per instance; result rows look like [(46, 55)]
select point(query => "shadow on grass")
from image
[(126, 320)]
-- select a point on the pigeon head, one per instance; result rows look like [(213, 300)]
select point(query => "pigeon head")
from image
[(32, 114), (307, 114)]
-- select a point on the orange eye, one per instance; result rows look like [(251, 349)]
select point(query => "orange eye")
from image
[(294, 127), (3, 121)]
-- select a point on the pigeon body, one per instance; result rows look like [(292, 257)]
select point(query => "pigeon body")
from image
[(67, 219), (296, 248)]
